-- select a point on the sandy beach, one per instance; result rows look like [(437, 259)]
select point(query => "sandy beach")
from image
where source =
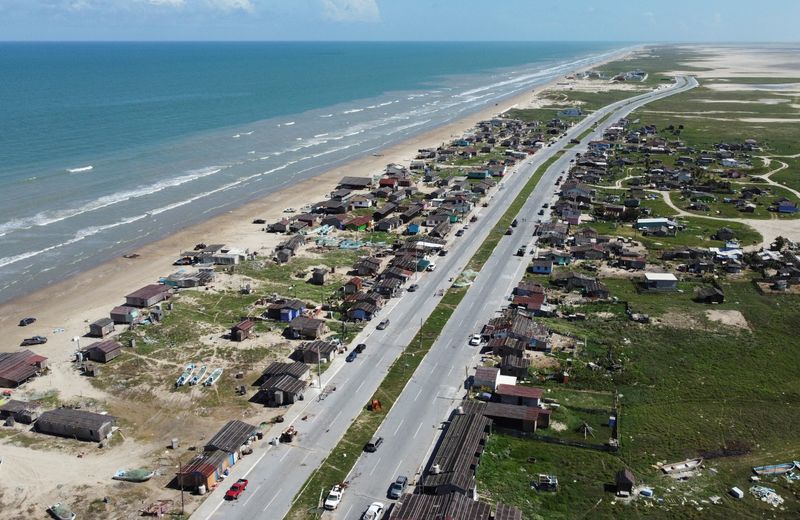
[(70, 305)]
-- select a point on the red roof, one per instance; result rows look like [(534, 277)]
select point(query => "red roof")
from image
[(534, 301), (359, 221), (358, 282), (244, 325), (519, 391)]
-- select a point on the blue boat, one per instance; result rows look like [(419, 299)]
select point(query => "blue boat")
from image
[(186, 375), (776, 469)]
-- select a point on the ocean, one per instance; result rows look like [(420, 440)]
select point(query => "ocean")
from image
[(107, 146)]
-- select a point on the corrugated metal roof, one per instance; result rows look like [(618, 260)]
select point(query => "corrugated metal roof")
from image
[(231, 437)]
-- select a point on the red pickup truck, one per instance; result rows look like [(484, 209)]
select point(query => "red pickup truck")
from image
[(236, 489)]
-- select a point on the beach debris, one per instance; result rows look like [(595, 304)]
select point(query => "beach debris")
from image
[(716, 499), (682, 470), (767, 495)]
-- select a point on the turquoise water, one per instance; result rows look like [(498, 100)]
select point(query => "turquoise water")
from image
[(105, 146)]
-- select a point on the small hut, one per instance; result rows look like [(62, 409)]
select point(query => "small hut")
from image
[(625, 482)]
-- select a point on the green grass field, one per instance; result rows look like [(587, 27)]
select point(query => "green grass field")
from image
[(690, 387)]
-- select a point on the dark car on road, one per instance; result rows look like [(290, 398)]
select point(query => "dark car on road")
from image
[(24, 322), (460, 233), (413, 287), (351, 356), (397, 488), (36, 340), (360, 348), (373, 445), (541, 212), (443, 252)]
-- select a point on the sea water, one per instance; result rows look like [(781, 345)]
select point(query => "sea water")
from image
[(106, 146)]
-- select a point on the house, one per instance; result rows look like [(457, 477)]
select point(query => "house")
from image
[(596, 289), (709, 294), (76, 424), (101, 328), (528, 288), (384, 211), (533, 303), (287, 249), (517, 417), (515, 366), (654, 223), (103, 351), (335, 221), (454, 505), (368, 266), (280, 391), (505, 346), (389, 287), (318, 276), (661, 282), (364, 200), (361, 223), (355, 183), (296, 369), (353, 285), (148, 295), (362, 311), (125, 314), (412, 229), (454, 462), (285, 310), (304, 327), (632, 262), (541, 266), (22, 412), (316, 352), (519, 395), (786, 206), (440, 230), (18, 367), (242, 330), (589, 252), (220, 453), (486, 377), (203, 472), (388, 223), (625, 482), (411, 212), (479, 174)]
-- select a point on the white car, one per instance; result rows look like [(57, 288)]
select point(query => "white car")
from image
[(289, 210), (373, 512), (431, 267), (475, 340), (334, 498)]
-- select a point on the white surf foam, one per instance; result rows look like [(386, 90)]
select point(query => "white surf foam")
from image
[(81, 169)]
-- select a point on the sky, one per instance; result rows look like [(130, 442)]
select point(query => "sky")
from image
[(397, 20)]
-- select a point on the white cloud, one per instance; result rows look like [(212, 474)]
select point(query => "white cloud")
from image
[(351, 10), (168, 3), (233, 5)]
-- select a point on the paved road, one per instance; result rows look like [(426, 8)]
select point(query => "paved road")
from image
[(276, 474), (413, 424)]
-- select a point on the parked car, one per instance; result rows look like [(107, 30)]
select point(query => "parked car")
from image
[(236, 489), (413, 287), (382, 325), (510, 231), (541, 212), (24, 322), (443, 252), (398, 487), (460, 233), (334, 498), (373, 444), (475, 340), (35, 340), (514, 223), (546, 205), (431, 267), (360, 348), (373, 512), (521, 251), (351, 356)]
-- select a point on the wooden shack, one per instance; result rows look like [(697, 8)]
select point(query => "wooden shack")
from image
[(242, 330), (101, 328)]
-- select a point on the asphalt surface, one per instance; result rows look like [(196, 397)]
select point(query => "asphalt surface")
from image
[(414, 422), (278, 473)]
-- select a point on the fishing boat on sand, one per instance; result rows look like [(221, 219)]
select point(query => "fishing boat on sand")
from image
[(198, 376), (61, 512), (133, 475), (776, 469), (215, 375), (186, 375)]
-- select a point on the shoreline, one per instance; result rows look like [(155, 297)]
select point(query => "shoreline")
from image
[(88, 295)]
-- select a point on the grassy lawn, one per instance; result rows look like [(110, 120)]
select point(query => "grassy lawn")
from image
[(790, 176), (690, 387)]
